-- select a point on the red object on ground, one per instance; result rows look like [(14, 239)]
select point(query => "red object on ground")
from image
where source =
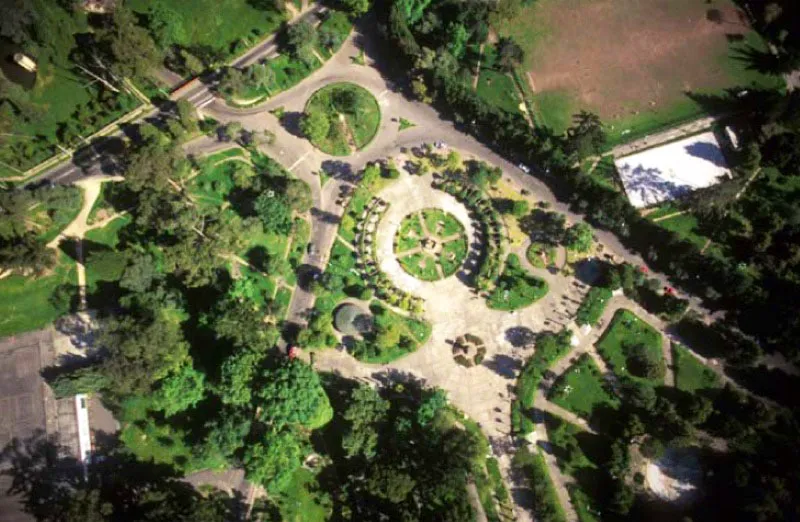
[(643, 269), (669, 290), (292, 352)]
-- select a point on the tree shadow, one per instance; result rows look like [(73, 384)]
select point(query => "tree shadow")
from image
[(340, 170), (291, 122), (325, 216), (520, 336), (707, 151), (503, 365), (306, 275)]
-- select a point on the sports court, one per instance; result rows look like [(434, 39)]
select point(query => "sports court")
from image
[(669, 171)]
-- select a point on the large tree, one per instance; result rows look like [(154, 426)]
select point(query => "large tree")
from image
[(132, 51), (315, 125), (290, 393)]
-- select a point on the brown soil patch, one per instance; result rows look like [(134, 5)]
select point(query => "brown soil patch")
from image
[(622, 56)]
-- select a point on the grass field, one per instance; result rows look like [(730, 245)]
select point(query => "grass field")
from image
[(582, 388), (633, 63), (516, 288), (686, 226), (495, 86), (26, 302), (63, 102), (441, 224), (626, 331), (421, 266), (452, 256), (410, 233), (226, 26), (303, 500), (349, 130), (691, 374)]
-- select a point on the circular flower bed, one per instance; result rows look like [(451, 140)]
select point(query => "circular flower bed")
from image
[(431, 244), (341, 118)]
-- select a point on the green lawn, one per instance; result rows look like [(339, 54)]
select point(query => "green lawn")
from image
[(625, 332), (410, 233), (420, 265), (25, 302), (214, 182), (582, 388), (690, 374), (686, 226), (342, 264), (304, 500), (516, 288), (577, 67), (554, 109), (452, 256), (495, 86), (412, 332), (498, 89), (605, 173), (546, 353), (339, 24), (61, 97), (109, 234), (226, 26), (351, 129), (150, 439), (365, 191), (593, 306), (664, 209), (440, 223)]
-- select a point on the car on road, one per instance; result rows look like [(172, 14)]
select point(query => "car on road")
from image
[(524, 168), (311, 249)]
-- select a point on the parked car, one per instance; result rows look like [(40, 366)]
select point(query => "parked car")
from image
[(524, 168)]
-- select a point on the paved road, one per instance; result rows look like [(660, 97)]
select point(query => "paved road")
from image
[(97, 159)]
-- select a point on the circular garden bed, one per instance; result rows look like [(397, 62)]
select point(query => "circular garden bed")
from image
[(341, 118), (431, 244)]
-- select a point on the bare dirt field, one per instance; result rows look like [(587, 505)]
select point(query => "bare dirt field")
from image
[(630, 60)]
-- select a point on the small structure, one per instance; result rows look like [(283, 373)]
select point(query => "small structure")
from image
[(98, 6), (25, 61), (351, 320)]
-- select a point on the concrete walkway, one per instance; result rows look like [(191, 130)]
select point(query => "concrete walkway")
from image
[(77, 229)]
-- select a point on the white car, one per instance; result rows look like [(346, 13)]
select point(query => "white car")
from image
[(524, 168)]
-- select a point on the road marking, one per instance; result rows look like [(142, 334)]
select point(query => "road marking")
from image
[(296, 163), (66, 173), (202, 92), (205, 102)]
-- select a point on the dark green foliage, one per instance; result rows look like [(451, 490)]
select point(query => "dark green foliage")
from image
[(274, 211), (547, 507), (82, 380), (290, 393), (395, 477)]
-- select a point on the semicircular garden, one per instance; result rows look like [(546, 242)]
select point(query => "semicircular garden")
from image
[(341, 118), (431, 244)]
